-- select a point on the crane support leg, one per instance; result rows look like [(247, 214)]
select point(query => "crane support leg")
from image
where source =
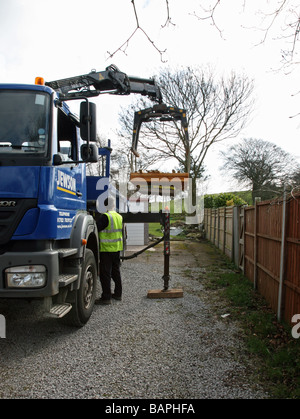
[(166, 292), (166, 276), (164, 219)]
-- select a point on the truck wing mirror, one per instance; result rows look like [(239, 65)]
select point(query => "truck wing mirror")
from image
[(89, 153), (88, 124), (57, 160)]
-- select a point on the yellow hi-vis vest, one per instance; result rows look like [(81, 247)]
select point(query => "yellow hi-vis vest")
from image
[(111, 239)]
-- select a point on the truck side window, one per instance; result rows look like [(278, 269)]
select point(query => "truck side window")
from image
[(66, 137)]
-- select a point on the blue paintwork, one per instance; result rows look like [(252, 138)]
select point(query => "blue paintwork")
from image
[(32, 87), (61, 191), (57, 206), (19, 182)]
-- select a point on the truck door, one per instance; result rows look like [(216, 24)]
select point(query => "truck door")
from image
[(70, 178)]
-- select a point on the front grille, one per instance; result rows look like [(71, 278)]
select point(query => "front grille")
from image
[(10, 216), (4, 215)]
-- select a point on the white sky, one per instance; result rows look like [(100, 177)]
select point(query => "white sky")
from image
[(64, 38)]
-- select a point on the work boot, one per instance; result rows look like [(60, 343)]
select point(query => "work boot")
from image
[(116, 297), (101, 301)]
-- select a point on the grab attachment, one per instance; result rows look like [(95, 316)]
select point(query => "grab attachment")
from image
[(164, 113)]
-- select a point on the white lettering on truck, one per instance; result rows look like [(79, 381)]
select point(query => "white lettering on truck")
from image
[(66, 183)]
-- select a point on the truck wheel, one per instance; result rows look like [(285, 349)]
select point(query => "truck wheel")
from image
[(85, 295)]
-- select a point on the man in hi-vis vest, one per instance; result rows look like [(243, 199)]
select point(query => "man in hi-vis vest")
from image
[(111, 243)]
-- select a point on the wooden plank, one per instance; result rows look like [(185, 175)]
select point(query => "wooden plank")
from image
[(170, 293), (292, 286), (268, 237)]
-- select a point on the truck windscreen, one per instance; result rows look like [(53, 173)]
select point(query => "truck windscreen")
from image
[(24, 123)]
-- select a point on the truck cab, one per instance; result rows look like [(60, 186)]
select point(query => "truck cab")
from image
[(46, 232)]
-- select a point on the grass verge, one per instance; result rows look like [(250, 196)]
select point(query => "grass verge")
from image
[(270, 343)]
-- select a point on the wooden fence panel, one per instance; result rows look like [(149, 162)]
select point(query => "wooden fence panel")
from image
[(213, 226), (267, 252), (249, 242), (228, 232), (241, 239), (268, 239), (291, 299), (219, 228)]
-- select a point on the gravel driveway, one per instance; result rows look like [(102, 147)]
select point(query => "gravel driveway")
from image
[(138, 348)]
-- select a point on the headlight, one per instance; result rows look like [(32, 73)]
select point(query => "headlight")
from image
[(31, 276)]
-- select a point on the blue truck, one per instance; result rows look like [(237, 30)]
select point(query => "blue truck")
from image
[(48, 234)]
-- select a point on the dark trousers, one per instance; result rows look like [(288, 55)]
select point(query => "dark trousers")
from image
[(110, 270)]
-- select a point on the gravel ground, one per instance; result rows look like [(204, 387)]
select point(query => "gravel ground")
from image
[(138, 348)]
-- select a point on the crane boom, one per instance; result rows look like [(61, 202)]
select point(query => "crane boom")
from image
[(111, 81)]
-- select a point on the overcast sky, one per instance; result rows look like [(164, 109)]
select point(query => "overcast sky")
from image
[(64, 38)]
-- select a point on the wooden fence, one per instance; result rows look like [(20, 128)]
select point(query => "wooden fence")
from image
[(264, 242)]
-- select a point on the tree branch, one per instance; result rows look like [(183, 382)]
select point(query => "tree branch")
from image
[(125, 44), (290, 30), (216, 111)]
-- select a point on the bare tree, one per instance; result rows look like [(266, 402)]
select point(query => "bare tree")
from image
[(280, 20), (123, 149), (261, 165), (216, 110), (296, 179), (139, 28)]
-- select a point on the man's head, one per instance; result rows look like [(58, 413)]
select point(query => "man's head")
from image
[(110, 203)]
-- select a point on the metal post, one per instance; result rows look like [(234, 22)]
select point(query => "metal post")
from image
[(166, 276)]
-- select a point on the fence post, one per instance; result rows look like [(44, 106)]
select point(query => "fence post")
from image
[(255, 242), (217, 244), (242, 227), (215, 221), (232, 235), (235, 235), (282, 255), (224, 233), (210, 224)]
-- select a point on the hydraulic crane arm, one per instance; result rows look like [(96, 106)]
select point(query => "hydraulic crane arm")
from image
[(164, 113), (111, 81), (114, 81)]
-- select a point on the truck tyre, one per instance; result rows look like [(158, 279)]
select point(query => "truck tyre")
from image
[(83, 304)]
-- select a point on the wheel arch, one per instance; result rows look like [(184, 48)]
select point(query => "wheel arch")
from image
[(85, 235), (93, 245)]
